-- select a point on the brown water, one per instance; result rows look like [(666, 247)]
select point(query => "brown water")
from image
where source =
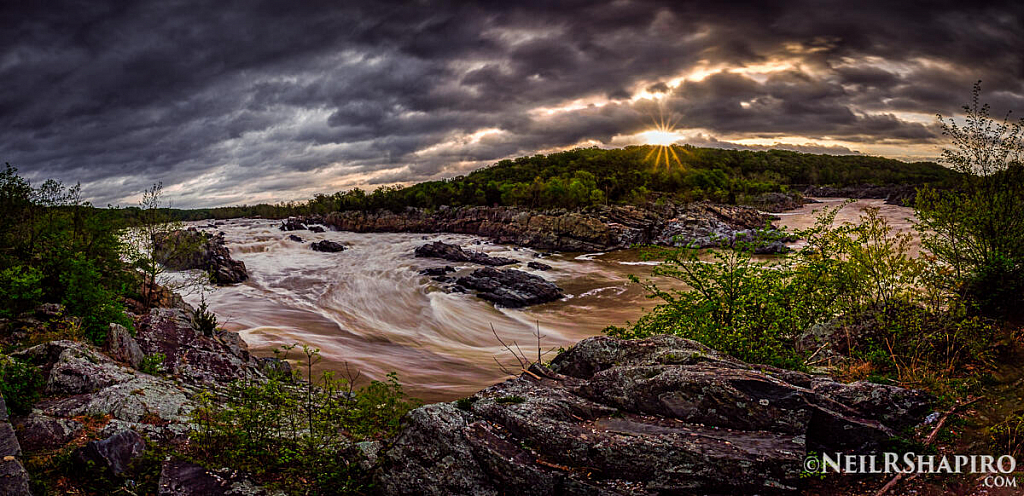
[(369, 308)]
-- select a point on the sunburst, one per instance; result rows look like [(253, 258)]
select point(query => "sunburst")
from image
[(662, 138)]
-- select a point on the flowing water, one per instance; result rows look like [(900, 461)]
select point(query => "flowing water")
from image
[(368, 308)]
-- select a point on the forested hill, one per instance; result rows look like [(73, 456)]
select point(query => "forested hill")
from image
[(635, 174)]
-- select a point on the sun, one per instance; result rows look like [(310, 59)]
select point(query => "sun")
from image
[(663, 137), (659, 137)]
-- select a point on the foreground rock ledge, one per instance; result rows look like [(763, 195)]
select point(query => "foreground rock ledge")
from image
[(663, 415)]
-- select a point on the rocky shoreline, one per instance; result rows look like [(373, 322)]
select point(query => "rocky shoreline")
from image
[(593, 229), (662, 415)]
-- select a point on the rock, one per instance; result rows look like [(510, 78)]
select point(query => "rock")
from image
[(455, 253), (327, 246), (538, 266), (295, 238), (72, 367), (114, 453), (192, 249), (123, 346), (9, 445), (13, 478), (510, 288), (777, 202), (181, 478), (662, 415), (317, 229), (40, 432), (434, 271), (292, 225), (191, 356)]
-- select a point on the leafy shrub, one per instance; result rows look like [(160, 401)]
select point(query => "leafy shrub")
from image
[(20, 384), (1008, 436), (19, 289), (299, 435), (204, 320), (153, 364)]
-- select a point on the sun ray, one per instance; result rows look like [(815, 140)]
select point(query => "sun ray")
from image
[(662, 138)]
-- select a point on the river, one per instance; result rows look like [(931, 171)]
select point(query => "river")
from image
[(368, 308)]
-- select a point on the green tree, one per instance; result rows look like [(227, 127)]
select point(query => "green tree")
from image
[(975, 231)]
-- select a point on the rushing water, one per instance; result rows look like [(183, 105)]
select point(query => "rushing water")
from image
[(368, 306)]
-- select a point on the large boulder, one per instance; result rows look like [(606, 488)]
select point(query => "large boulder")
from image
[(510, 288), (114, 453), (193, 249), (41, 432), (663, 415), (73, 367), (123, 346), (455, 253)]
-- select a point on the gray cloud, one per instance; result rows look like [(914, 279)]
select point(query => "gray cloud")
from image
[(244, 101)]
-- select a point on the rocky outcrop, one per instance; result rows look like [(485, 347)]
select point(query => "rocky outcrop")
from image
[(662, 415), (893, 194), (327, 246), (777, 202), (191, 356), (593, 229), (455, 253), (192, 249), (510, 288)]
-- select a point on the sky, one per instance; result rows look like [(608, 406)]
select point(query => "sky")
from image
[(248, 101)]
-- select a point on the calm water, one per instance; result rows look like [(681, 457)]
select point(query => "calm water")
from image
[(369, 308)]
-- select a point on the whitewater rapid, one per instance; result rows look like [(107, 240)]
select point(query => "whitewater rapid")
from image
[(368, 309)]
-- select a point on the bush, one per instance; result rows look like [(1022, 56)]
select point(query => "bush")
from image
[(153, 364), (299, 436), (203, 319), (20, 384), (19, 289)]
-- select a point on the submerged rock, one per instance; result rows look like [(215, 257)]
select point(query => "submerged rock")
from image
[(317, 229), (538, 266), (292, 225), (663, 415), (327, 246), (295, 238), (510, 288), (455, 253)]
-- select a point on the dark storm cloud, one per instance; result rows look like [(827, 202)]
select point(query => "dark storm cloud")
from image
[(245, 101)]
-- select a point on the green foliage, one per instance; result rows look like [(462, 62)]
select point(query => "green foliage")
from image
[(858, 280), (20, 289), (153, 364), (1008, 436), (585, 177), (20, 384), (56, 248), (299, 435), (975, 231), (203, 319)]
